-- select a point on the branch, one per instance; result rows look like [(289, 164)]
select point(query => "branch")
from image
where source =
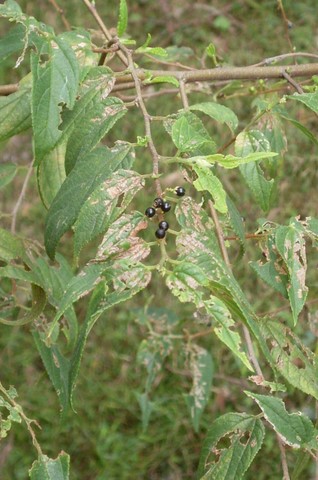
[(61, 12)]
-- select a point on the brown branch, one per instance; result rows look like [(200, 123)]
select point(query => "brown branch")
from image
[(60, 10), (287, 23), (104, 29), (283, 56), (290, 80)]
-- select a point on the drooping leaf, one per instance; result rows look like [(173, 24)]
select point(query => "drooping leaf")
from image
[(207, 181), (245, 434), (295, 362), (46, 468), (151, 355), (7, 173), (55, 82), (102, 208), (85, 177), (262, 189), (51, 173), (202, 369), (295, 429), (302, 128), (122, 18), (218, 112), (11, 42), (308, 99), (291, 246), (146, 407), (236, 222)]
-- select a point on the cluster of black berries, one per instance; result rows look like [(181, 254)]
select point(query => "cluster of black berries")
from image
[(165, 207)]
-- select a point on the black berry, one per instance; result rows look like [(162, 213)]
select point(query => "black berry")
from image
[(150, 212), (166, 207), (180, 191), (164, 225), (160, 233), (158, 202)]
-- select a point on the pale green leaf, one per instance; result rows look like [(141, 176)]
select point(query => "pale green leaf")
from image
[(207, 181), (7, 173), (295, 429), (102, 208), (202, 369), (189, 133), (46, 468), (122, 18), (218, 112), (301, 128), (162, 79), (55, 82), (85, 177), (245, 434), (11, 246), (291, 246), (146, 407), (156, 51), (308, 99)]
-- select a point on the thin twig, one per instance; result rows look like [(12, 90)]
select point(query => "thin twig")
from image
[(27, 421), (290, 80), (283, 56), (147, 118), (104, 29), (60, 10), (283, 458), (183, 94), (21, 196), (287, 23)]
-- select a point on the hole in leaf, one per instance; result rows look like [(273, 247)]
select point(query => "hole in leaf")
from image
[(299, 363), (245, 438)]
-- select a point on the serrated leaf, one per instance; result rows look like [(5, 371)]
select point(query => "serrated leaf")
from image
[(218, 112), (12, 42), (262, 189), (207, 181), (55, 82), (122, 18), (7, 173), (308, 99), (189, 133), (245, 434), (202, 369), (101, 208), (85, 177), (224, 328), (46, 468), (291, 246), (15, 113), (295, 429), (295, 362)]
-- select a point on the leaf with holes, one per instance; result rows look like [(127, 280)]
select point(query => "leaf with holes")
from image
[(102, 207), (202, 369), (46, 468), (291, 246), (295, 429), (12, 412), (296, 363), (244, 433), (55, 82)]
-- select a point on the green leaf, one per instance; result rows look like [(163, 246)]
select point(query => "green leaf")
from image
[(308, 99), (51, 174), (15, 113), (291, 246), (146, 407), (11, 246), (236, 222), (218, 112), (156, 51), (292, 359), (162, 79), (262, 189), (295, 429), (10, 9), (189, 133), (11, 42), (211, 50), (301, 128), (207, 181), (38, 305), (7, 173), (101, 208), (55, 82), (224, 328), (122, 18), (85, 177), (245, 434), (202, 369), (46, 468), (13, 412)]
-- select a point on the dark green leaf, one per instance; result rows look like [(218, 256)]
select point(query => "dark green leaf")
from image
[(15, 112), (46, 468)]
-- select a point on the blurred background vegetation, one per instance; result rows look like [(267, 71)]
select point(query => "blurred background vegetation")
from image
[(106, 439)]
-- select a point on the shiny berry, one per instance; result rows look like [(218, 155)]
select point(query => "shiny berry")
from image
[(160, 233), (150, 212), (180, 191), (164, 225), (166, 207), (158, 202)]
